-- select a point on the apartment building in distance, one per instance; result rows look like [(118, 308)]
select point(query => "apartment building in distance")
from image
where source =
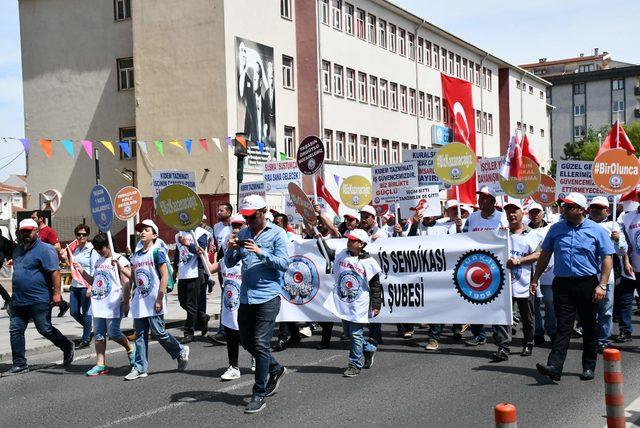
[(589, 91), (363, 74)]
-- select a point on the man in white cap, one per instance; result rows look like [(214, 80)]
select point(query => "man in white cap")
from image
[(262, 249), (536, 216), (599, 213), (452, 220), (630, 224), (36, 288), (350, 222), (368, 223), (582, 251)]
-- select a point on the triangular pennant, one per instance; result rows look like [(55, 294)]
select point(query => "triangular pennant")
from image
[(228, 140), (125, 147), (25, 144), (187, 146), (88, 147), (46, 147), (109, 146), (283, 156), (176, 143), (261, 146), (68, 146), (527, 151), (216, 141), (335, 177), (143, 147), (240, 139), (159, 147), (617, 138)]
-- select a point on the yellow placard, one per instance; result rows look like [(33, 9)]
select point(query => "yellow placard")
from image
[(356, 192), (179, 207), (529, 181), (455, 163)]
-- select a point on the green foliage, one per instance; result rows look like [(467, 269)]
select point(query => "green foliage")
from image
[(587, 148)]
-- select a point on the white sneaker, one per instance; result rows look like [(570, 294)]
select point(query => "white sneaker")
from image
[(134, 374), (232, 373), (305, 331), (253, 364), (183, 359)]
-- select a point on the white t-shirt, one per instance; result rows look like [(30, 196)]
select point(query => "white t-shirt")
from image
[(232, 278), (437, 229), (188, 261), (106, 290), (521, 245), (620, 247), (537, 236), (476, 223), (147, 284), (631, 226), (221, 232), (349, 299)]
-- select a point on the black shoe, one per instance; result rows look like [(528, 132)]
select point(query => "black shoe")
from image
[(64, 307), (188, 338), (293, 341), (322, 345), (623, 338), (587, 375), (205, 325), (549, 371), (280, 346), (577, 332), (526, 351), (218, 338), (255, 405), (210, 284), (514, 330), (500, 355), (274, 381), (369, 356), (14, 370), (538, 340), (457, 336), (82, 345), (69, 355)]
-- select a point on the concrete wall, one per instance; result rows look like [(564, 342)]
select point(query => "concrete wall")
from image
[(561, 98), (69, 52)]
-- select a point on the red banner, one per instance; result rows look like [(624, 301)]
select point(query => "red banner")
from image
[(456, 94)]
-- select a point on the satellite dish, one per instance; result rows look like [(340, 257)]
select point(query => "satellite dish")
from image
[(50, 200)]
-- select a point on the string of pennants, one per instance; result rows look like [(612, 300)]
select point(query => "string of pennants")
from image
[(47, 145)]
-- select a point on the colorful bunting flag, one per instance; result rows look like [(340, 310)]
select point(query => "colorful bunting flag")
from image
[(176, 143), (159, 147), (240, 139), (46, 147), (109, 146), (25, 144), (68, 146), (187, 146), (125, 147), (229, 143), (283, 156), (335, 177), (143, 147), (261, 146), (88, 147), (216, 141)]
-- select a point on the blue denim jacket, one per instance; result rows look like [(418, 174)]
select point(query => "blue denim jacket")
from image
[(262, 275)]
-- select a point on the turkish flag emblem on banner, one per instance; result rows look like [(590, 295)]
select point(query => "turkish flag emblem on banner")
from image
[(456, 94)]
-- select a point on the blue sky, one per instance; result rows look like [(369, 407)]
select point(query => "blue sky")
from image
[(516, 31)]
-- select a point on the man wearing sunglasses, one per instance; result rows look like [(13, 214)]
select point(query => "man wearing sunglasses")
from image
[(262, 248), (582, 251)]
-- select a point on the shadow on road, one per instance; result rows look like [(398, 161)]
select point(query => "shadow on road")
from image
[(210, 397)]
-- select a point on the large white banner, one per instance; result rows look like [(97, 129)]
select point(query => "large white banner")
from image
[(452, 279)]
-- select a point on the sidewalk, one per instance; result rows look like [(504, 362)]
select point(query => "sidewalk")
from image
[(36, 344)]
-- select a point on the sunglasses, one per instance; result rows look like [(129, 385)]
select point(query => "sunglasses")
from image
[(571, 206), (81, 234)]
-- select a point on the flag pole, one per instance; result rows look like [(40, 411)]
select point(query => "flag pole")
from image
[(458, 200)]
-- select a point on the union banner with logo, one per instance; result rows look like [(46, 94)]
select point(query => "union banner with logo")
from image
[(451, 279)]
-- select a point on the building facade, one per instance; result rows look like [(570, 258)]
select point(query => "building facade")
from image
[(363, 75)]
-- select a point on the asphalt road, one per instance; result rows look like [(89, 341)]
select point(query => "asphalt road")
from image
[(456, 386)]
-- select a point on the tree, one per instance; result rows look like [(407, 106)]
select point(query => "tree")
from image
[(587, 148)]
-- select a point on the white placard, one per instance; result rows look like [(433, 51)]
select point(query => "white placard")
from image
[(424, 199), (278, 174), (389, 180)]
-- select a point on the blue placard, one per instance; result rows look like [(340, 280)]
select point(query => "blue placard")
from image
[(442, 135), (101, 207)]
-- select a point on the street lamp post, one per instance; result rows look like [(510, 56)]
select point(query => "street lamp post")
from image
[(240, 152)]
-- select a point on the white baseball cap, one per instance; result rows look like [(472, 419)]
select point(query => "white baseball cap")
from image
[(28, 224), (369, 210), (600, 201), (513, 203), (486, 190), (535, 206), (351, 214), (575, 198), (146, 223), (359, 235), (204, 217), (451, 203), (236, 218), (628, 206), (252, 203), (467, 208)]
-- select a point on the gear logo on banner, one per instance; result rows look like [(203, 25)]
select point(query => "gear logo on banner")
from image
[(350, 285), (231, 296), (301, 281), (478, 277), (101, 286), (143, 282)]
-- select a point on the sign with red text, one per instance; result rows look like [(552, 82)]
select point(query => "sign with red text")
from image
[(278, 174), (389, 180)]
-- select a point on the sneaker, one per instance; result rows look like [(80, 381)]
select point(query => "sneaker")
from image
[(500, 355), (14, 370), (305, 331), (188, 338), (577, 331), (232, 373), (432, 345), (205, 325), (97, 371), (280, 346), (82, 345), (69, 355), (369, 356), (323, 345), (527, 351), (351, 371), (64, 307), (476, 341), (274, 381), (255, 405), (407, 334), (183, 359), (622, 338), (134, 374), (131, 353), (218, 338)]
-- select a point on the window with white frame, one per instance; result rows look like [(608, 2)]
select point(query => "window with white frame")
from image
[(484, 122), (373, 90), (518, 84), (340, 144), (411, 42), (360, 17), (436, 109), (351, 84), (402, 42), (585, 68), (618, 106), (429, 106), (393, 96), (374, 150), (362, 87), (337, 79), (363, 149), (326, 76), (403, 98), (464, 69), (451, 62), (617, 84), (457, 66), (285, 9), (384, 152), (324, 11), (412, 101), (490, 124), (348, 18), (421, 103), (443, 60), (290, 148), (436, 56), (479, 124), (578, 110), (541, 95), (420, 50), (125, 73), (382, 33), (328, 144), (383, 93), (530, 129), (395, 155), (530, 87), (128, 135), (392, 37), (405, 148), (477, 75), (287, 72), (336, 14), (371, 29), (351, 148), (541, 132), (427, 53), (122, 9), (490, 81), (445, 112), (579, 131), (470, 71)]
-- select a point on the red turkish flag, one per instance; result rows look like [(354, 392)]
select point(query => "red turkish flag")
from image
[(527, 152), (617, 139), (323, 193), (456, 94)]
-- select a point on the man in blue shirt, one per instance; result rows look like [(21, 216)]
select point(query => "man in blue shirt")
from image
[(262, 248), (582, 250), (36, 287)]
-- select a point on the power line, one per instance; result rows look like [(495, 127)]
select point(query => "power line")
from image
[(11, 161)]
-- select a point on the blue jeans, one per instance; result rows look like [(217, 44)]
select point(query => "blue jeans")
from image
[(357, 343), (156, 325), (604, 317), (625, 289), (478, 331), (549, 319), (80, 304), (434, 332), (40, 313), (257, 323), (103, 327)]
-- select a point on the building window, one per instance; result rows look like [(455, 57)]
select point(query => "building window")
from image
[(326, 76), (477, 75), (340, 142), (530, 129), (618, 106), (470, 71), (285, 9), (429, 106), (464, 69), (337, 79), (122, 9), (412, 101), (443, 60), (324, 11), (373, 90), (336, 14), (384, 152), (328, 144), (541, 95), (383, 93), (420, 50), (395, 147), (578, 88), (360, 24), (382, 33), (518, 84), (393, 96), (436, 56), (125, 73), (436, 108), (490, 125), (484, 122), (374, 151), (351, 84), (364, 149), (128, 135), (348, 18), (457, 66), (541, 132), (479, 125), (371, 29), (421, 104), (578, 110), (411, 42), (451, 63), (530, 90), (290, 148), (585, 68), (401, 42), (445, 112), (392, 37), (427, 53), (351, 148), (287, 72), (579, 131), (617, 84), (403, 98), (362, 87)]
